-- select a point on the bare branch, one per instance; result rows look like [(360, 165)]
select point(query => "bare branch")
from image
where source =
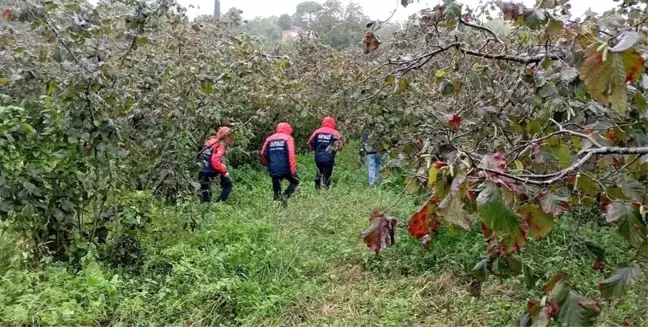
[(556, 177), (504, 57), (483, 28)]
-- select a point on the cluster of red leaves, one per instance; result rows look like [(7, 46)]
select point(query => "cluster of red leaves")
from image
[(6, 14)]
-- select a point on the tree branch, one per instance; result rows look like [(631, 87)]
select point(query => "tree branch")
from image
[(588, 154), (420, 61), (483, 28), (504, 57)]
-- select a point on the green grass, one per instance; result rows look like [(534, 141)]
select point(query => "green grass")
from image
[(254, 263)]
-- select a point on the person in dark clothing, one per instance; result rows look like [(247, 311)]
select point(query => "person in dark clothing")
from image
[(278, 154), (325, 141), (212, 165)]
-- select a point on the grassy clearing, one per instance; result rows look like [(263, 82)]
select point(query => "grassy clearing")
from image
[(254, 263)]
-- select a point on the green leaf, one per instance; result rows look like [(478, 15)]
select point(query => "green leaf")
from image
[(629, 223), (616, 283), (587, 185), (574, 309), (535, 19), (403, 85), (640, 101), (555, 27), (480, 271), (547, 4), (51, 87), (446, 87), (563, 154), (4, 81), (596, 249), (529, 278), (553, 204), (569, 74), (452, 9), (451, 208), (546, 63), (142, 40), (606, 77), (632, 188), (499, 218), (539, 223), (506, 267), (547, 90)]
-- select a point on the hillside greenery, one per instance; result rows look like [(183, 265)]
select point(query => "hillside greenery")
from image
[(515, 139)]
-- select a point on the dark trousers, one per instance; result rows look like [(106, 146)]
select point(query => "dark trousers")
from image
[(276, 185), (323, 174), (205, 178)]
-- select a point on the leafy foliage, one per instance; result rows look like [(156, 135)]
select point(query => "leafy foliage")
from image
[(516, 115)]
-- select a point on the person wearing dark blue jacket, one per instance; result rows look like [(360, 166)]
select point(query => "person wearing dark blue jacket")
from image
[(325, 141), (278, 154)]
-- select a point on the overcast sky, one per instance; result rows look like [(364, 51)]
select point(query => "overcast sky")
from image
[(375, 9)]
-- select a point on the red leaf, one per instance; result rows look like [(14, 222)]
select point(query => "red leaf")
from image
[(548, 287), (381, 231), (370, 42), (454, 122), (605, 200), (599, 265), (611, 136), (487, 232), (417, 225), (553, 308), (498, 163), (616, 162), (6, 14), (423, 222)]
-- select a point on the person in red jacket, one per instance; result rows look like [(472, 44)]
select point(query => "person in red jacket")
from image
[(278, 154), (325, 141), (212, 165)]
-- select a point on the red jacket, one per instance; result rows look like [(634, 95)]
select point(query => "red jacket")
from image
[(278, 151), (218, 147), (324, 139)]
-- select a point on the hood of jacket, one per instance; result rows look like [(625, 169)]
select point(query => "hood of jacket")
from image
[(222, 134), (284, 128), (328, 122)]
